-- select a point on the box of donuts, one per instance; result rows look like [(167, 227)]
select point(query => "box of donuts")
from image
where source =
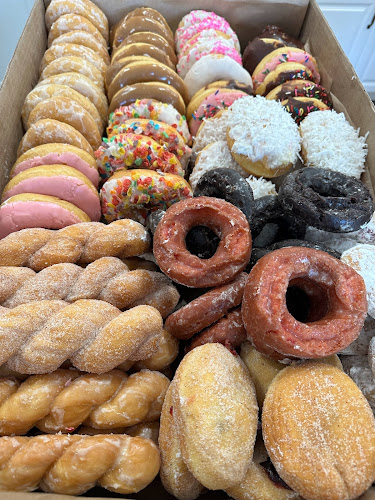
[(187, 255)]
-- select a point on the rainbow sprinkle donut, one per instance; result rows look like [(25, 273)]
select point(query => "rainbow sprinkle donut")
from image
[(134, 194), (125, 151), (150, 109)]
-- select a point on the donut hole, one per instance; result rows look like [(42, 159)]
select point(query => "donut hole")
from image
[(202, 242), (306, 300)]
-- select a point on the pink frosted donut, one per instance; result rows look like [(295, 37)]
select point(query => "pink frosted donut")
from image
[(63, 182), (37, 210), (219, 99), (58, 154), (282, 55), (215, 46)]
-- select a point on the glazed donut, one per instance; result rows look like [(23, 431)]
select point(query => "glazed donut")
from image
[(58, 50), (114, 68), (230, 186), (135, 193), (71, 22), (284, 72), (262, 136), (138, 72), (336, 312), (42, 92), (319, 432), (65, 110), (152, 39), (283, 55), (327, 200), (342, 149), (149, 109), (81, 37), (49, 131), (141, 49), (37, 210), (257, 49), (232, 254), (229, 331), (165, 355), (300, 88), (362, 259), (73, 64), (84, 86), (58, 154), (60, 181), (300, 107), (135, 24), (149, 91), (214, 67), (164, 134), (84, 8), (206, 309), (128, 150)]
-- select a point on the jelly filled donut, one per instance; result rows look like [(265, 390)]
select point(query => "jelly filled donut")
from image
[(231, 256), (337, 304), (326, 200)]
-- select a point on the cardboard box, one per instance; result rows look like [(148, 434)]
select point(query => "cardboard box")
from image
[(247, 17)]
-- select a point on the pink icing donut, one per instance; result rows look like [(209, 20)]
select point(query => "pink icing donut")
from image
[(64, 158), (24, 211), (281, 55), (211, 105), (63, 182)]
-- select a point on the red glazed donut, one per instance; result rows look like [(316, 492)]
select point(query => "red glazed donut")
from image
[(336, 296), (206, 309), (224, 219)]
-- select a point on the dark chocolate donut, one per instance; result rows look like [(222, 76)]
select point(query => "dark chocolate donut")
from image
[(230, 186), (256, 50), (272, 31), (326, 200)]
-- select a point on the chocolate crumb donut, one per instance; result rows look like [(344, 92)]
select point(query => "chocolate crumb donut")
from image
[(326, 199), (230, 186)]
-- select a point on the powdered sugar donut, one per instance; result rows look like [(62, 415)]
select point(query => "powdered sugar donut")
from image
[(61, 181), (150, 109), (134, 151), (362, 259), (215, 155), (214, 67), (134, 194)]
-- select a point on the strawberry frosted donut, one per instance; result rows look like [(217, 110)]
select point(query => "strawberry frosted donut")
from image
[(148, 108), (134, 194), (336, 304), (134, 151), (282, 55), (231, 256)]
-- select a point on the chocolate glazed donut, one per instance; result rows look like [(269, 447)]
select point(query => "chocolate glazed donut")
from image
[(326, 200)]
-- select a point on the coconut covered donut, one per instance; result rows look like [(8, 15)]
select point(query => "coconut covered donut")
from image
[(262, 137), (134, 194), (214, 67), (149, 109), (71, 22)]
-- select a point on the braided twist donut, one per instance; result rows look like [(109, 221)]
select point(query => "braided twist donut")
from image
[(82, 243), (119, 463), (65, 399), (38, 337), (107, 279)]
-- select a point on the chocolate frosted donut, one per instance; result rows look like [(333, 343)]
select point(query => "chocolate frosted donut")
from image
[(257, 49), (326, 200), (300, 88), (231, 256), (300, 107), (284, 72), (230, 186), (273, 31)]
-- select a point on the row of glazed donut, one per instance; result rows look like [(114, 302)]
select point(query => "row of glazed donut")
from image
[(54, 181)]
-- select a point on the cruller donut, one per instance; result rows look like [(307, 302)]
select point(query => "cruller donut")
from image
[(231, 256), (337, 304)]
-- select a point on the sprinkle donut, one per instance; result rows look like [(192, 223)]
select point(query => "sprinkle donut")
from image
[(231, 256), (135, 151), (134, 194)]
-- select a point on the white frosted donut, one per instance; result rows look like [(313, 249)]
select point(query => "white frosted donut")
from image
[(212, 68)]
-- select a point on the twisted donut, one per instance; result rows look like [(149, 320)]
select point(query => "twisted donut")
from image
[(119, 463), (81, 243), (107, 279), (65, 399), (95, 336)]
